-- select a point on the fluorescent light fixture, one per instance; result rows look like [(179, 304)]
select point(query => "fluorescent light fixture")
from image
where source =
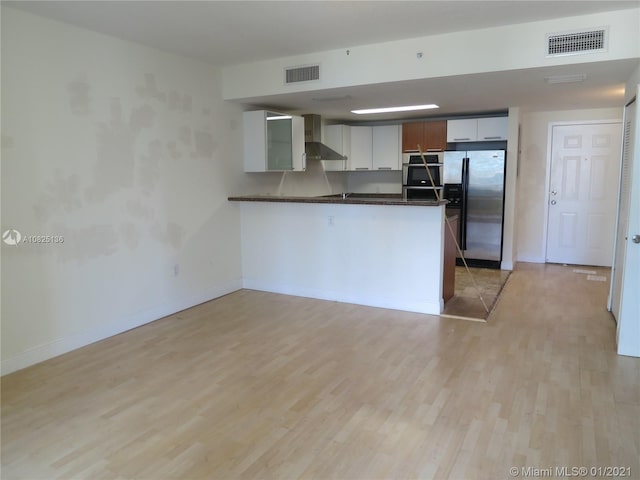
[(574, 78), (408, 108), (279, 117)]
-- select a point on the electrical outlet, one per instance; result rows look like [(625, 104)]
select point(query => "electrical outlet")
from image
[(176, 270)]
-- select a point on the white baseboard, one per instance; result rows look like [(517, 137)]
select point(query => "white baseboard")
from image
[(48, 350), (530, 259), (504, 265), (407, 305)]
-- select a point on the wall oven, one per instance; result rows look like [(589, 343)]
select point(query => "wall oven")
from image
[(416, 184)]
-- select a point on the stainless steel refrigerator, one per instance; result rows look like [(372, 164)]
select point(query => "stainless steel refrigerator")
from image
[(474, 185)]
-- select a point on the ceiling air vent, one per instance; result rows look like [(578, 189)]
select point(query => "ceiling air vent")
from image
[(302, 74), (573, 43)]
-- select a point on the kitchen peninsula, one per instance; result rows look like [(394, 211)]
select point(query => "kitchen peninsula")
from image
[(375, 250)]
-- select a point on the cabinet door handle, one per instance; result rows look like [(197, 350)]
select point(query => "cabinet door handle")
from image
[(362, 168), (493, 138), (384, 168), (460, 139)]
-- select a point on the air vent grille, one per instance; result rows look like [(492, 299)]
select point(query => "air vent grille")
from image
[(574, 43), (302, 74)]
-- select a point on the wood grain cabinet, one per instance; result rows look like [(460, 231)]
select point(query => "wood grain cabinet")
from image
[(429, 135), (449, 267)]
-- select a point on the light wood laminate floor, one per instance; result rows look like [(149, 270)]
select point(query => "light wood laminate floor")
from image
[(263, 386)]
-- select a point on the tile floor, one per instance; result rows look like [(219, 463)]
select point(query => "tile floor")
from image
[(466, 302)]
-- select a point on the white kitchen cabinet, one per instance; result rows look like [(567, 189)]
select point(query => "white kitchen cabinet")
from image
[(366, 148), (273, 142), (337, 137), (387, 153), (477, 129), (464, 130), (493, 128), (361, 149)]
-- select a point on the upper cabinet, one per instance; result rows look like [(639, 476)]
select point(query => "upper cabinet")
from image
[(493, 128), (361, 157), (465, 130), (477, 129), (273, 142), (366, 148), (337, 137), (375, 148), (429, 135), (386, 148)]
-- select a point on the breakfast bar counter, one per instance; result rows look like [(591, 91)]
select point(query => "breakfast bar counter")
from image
[(375, 250), (342, 198)]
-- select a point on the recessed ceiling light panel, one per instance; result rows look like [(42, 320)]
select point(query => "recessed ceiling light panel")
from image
[(279, 117), (408, 108)]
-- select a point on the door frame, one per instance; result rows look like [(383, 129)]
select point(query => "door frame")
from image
[(615, 240), (628, 323), (547, 182)]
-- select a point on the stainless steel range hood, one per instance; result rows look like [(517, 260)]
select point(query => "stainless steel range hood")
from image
[(314, 148)]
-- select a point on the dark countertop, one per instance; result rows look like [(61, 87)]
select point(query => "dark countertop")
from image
[(350, 199)]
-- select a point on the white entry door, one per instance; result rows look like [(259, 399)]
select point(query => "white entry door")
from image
[(583, 192)]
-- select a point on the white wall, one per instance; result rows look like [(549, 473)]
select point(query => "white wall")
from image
[(312, 182), (510, 192), (374, 182), (632, 85), (130, 154), (347, 253), (455, 53), (531, 198)]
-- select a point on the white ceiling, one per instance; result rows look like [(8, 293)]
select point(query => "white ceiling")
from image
[(230, 32)]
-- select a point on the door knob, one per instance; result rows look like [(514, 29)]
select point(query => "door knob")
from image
[(553, 202), (553, 192), (635, 239)]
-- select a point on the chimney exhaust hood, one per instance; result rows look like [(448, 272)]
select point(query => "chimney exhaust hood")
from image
[(314, 148)]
